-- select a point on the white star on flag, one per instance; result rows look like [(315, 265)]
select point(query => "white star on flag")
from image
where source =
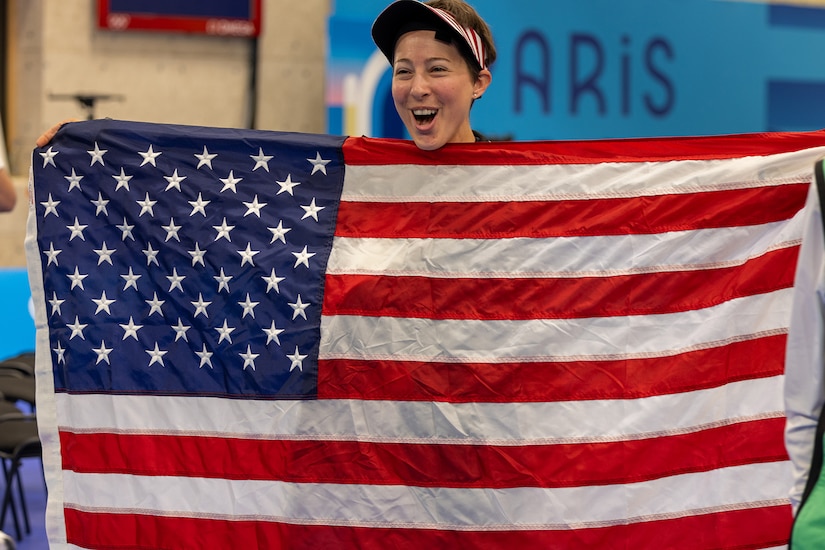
[(60, 353), (224, 331), (200, 306), (151, 255), (156, 355), (303, 257), (74, 181), (223, 281), (249, 358), (272, 333), (48, 156), (318, 164), (299, 308), (205, 357), (279, 233), (105, 254), (97, 155), (147, 205), (205, 158), (247, 255), (55, 303), (155, 305), (51, 253), (150, 156), (197, 255), (180, 330), (174, 180), (130, 329), (230, 182), (272, 281), (223, 230), (126, 230), (199, 205), (122, 180), (102, 352), (311, 211), (248, 307), (287, 185), (100, 203), (77, 230), (175, 280), (77, 328), (297, 360), (77, 278), (103, 303), (254, 207), (172, 230), (51, 206), (131, 279), (261, 160)]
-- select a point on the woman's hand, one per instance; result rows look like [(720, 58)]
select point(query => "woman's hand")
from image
[(47, 136)]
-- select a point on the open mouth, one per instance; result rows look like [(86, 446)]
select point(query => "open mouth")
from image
[(424, 116)]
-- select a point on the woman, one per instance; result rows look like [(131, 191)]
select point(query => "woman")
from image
[(440, 52)]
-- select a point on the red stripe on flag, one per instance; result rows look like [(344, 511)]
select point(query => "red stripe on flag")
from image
[(748, 528), (556, 298), (372, 152), (552, 381), (426, 465), (571, 218)]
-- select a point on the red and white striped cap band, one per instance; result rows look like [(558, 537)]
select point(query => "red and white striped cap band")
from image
[(404, 14)]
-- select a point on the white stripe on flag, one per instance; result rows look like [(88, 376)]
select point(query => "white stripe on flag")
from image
[(540, 340), (391, 183), (568, 256), (422, 507), (426, 422)]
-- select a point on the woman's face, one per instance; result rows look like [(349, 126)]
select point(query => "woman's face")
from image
[(433, 89)]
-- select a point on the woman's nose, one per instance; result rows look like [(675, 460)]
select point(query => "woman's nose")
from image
[(419, 86)]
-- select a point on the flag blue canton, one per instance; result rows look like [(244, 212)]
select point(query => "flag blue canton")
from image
[(185, 260)]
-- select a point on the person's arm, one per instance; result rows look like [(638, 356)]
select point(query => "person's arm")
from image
[(804, 367), (8, 194)]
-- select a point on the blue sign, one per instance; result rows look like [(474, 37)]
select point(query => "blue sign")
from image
[(576, 69), (231, 9)]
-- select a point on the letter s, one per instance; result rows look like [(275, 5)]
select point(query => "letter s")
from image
[(663, 108)]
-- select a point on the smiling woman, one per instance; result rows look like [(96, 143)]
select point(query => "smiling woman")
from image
[(440, 52)]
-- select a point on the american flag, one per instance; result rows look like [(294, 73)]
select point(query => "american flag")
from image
[(260, 339)]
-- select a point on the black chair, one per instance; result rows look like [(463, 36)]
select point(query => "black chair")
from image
[(17, 386), (18, 365), (18, 440)]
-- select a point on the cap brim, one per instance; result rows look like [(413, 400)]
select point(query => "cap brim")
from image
[(399, 14)]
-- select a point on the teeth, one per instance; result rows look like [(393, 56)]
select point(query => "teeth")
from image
[(424, 112)]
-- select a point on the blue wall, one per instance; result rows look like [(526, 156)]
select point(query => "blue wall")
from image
[(16, 322)]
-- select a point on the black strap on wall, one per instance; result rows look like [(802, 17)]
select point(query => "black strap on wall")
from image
[(819, 179)]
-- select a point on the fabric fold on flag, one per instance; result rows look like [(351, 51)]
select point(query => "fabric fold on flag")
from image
[(294, 340)]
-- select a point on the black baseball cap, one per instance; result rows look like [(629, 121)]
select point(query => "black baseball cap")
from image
[(408, 15)]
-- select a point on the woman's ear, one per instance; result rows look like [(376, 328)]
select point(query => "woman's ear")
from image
[(481, 83)]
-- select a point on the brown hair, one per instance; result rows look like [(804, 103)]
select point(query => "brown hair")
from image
[(468, 17)]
